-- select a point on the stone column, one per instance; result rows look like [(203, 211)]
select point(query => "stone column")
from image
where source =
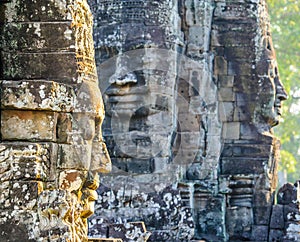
[(250, 95), (162, 126), (51, 116)]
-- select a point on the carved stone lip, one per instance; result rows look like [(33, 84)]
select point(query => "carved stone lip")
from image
[(278, 107), (278, 110), (125, 99), (117, 91), (130, 109)]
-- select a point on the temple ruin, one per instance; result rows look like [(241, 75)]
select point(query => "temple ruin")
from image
[(185, 150)]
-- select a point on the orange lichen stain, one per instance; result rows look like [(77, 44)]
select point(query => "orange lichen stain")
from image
[(72, 176)]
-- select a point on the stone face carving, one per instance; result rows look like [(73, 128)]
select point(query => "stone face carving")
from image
[(161, 109), (133, 93), (51, 115), (198, 82), (192, 92)]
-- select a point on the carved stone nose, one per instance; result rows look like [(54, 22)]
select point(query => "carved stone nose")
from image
[(123, 80), (281, 93)]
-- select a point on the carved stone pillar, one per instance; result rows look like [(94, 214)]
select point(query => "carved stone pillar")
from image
[(51, 116)]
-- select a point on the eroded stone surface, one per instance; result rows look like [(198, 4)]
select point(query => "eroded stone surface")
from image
[(191, 90), (51, 116)]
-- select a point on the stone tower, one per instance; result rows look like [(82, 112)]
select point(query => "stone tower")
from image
[(192, 91), (51, 116)]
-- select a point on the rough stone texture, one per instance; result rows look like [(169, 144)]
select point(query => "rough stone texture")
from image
[(288, 210), (192, 91), (51, 116)]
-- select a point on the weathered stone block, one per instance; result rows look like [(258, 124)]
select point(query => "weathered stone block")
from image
[(262, 214), (26, 161), (29, 169), (25, 10), (237, 166), (188, 156), (198, 13), (263, 196), (226, 81), (248, 131), (71, 179), (237, 37), (231, 130), (226, 94), (239, 221), (191, 140), (213, 144), (236, 11), (236, 27), (37, 95), (119, 163), (64, 128), (160, 235), (100, 159), (260, 233), (242, 113), (240, 67), (55, 208), (28, 125), (5, 195), (74, 156), (141, 165), (12, 225), (189, 122), (38, 37), (226, 110), (88, 99), (212, 125), (239, 53), (198, 41), (194, 172), (292, 232), (24, 195), (275, 235), (291, 212), (197, 105), (287, 194), (97, 228), (220, 66), (218, 51), (247, 150), (120, 145), (161, 164), (53, 66), (247, 84), (207, 210), (277, 219), (128, 231)]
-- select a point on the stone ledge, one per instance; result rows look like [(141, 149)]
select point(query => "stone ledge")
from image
[(104, 240)]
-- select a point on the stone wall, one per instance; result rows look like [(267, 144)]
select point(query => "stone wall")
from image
[(51, 116), (192, 91)]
